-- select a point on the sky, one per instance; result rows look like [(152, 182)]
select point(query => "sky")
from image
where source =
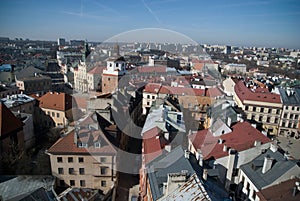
[(263, 23)]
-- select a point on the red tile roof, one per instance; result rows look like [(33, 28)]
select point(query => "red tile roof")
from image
[(8, 121), (152, 69), (66, 145), (153, 144), (214, 92), (97, 70), (246, 94), (56, 101), (158, 88), (281, 191), (241, 138)]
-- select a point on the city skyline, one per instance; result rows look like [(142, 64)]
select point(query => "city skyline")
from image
[(251, 23)]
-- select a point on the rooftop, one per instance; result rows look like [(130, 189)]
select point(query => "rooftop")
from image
[(16, 100), (19, 187), (56, 101), (241, 138), (245, 94), (7, 116), (68, 145), (290, 96), (280, 166), (193, 189), (280, 191)]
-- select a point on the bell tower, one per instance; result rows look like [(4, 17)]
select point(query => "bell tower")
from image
[(115, 69)]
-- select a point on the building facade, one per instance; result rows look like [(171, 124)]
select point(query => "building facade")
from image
[(263, 107)]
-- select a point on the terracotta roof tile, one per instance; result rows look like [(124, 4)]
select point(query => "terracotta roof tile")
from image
[(246, 94), (241, 138), (152, 144), (97, 70), (66, 145), (56, 101)]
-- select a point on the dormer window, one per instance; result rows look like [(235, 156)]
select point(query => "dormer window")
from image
[(97, 144), (82, 144)]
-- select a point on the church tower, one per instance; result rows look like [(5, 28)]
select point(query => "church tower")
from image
[(115, 69)]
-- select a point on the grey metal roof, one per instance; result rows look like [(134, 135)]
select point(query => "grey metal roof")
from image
[(292, 99), (253, 169), (160, 167), (28, 72), (19, 187), (193, 189)]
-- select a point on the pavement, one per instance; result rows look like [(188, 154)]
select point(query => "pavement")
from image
[(291, 145)]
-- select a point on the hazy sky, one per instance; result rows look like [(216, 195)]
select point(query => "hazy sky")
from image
[(272, 23)]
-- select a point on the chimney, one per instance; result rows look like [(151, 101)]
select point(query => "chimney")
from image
[(257, 143), (167, 136), (168, 148), (296, 188), (186, 154), (267, 164), (205, 91), (225, 148), (273, 147), (205, 172)]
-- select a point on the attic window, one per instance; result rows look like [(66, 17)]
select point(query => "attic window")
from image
[(82, 144), (97, 144)]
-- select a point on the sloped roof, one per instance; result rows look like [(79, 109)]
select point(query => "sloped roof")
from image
[(246, 94), (152, 144), (241, 138), (28, 72), (97, 70), (159, 168), (56, 101), (66, 145), (193, 189), (8, 121), (280, 191), (280, 166)]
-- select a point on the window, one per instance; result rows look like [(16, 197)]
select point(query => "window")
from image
[(108, 79), (81, 171), (103, 183), (260, 118), (117, 64), (70, 159), (286, 107), (268, 119), (59, 159), (48, 113), (261, 109), (97, 144), (276, 120), (246, 107), (103, 170), (80, 160), (148, 103), (296, 116), (60, 171), (71, 170), (53, 114), (148, 96), (293, 108), (254, 109), (285, 115), (270, 111), (72, 182), (153, 97), (278, 111), (102, 159), (57, 115), (82, 183)]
